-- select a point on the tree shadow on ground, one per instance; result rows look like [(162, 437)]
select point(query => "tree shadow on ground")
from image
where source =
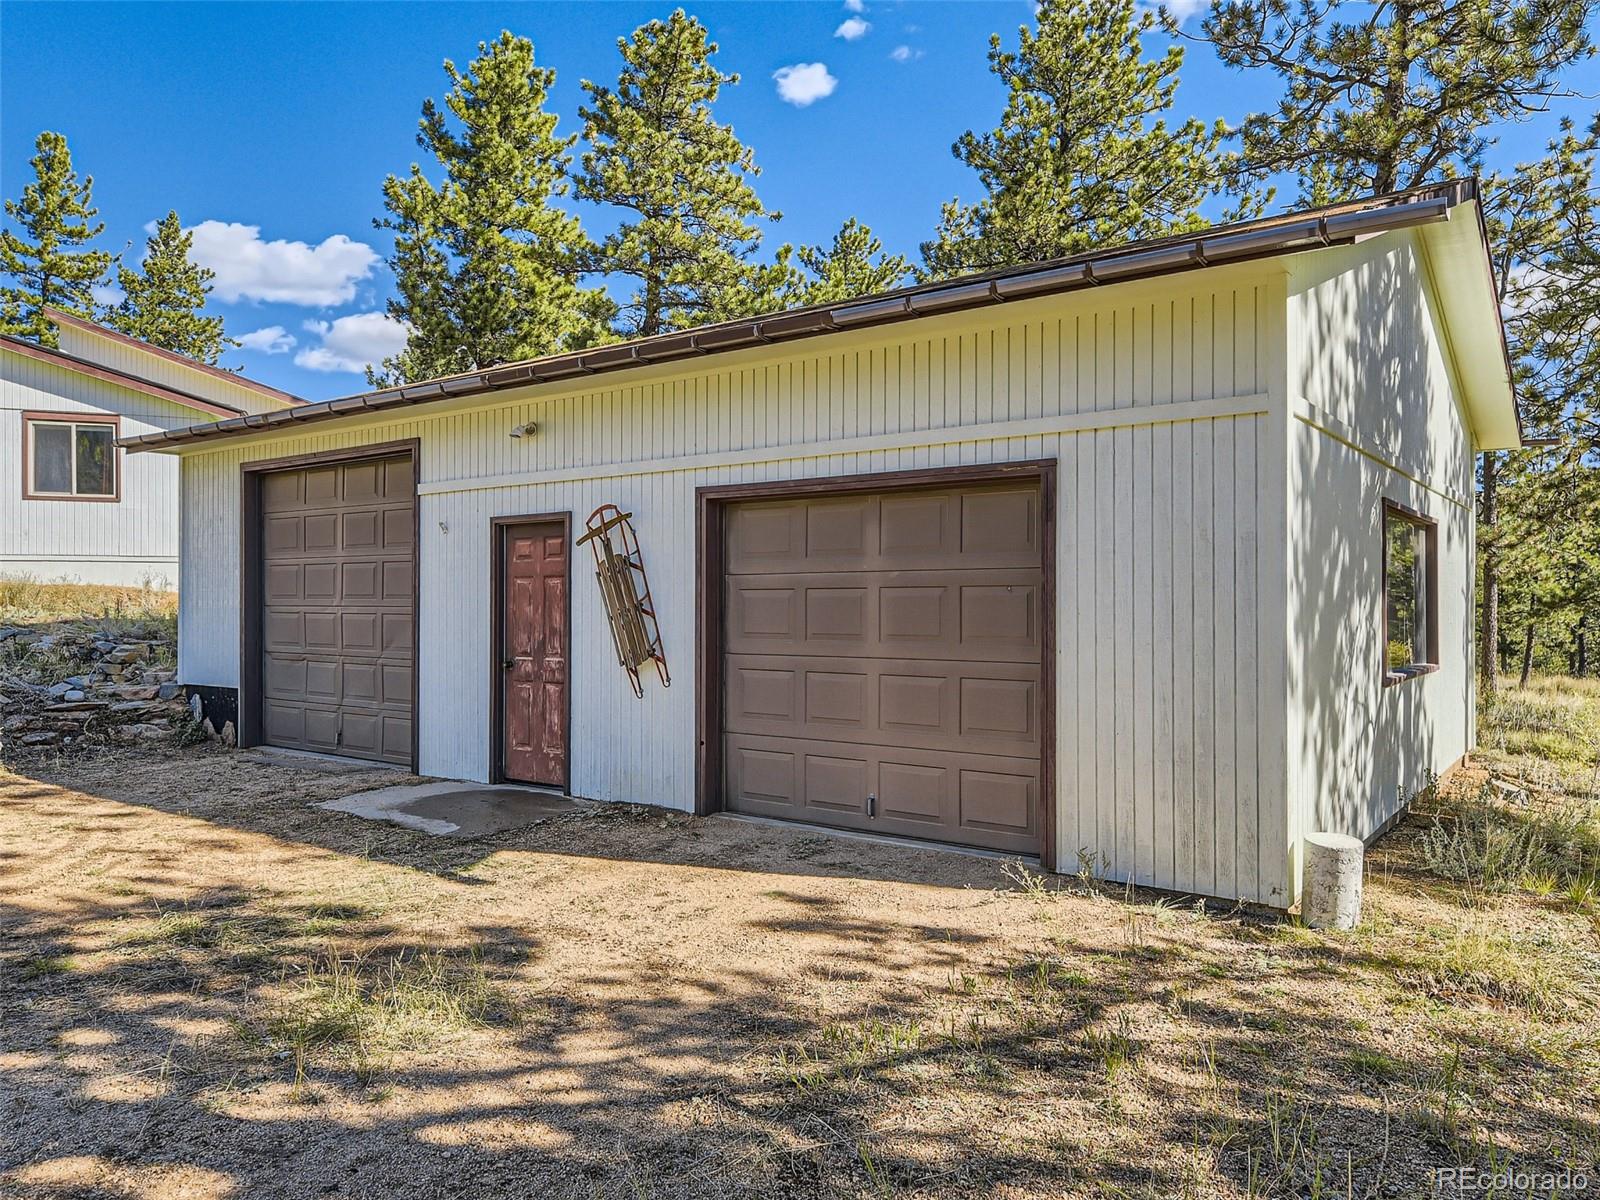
[(825, 1035)]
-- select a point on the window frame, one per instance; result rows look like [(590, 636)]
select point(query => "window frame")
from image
[(31, 419), (1393, 509)]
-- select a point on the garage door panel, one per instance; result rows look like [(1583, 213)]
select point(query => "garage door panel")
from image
[(320, 533), (284, 676), (321, 487), (988, 801), (283, 723), (397, 637), (282, 535), (919, 792), (284, 581), (835, 782), (360, 531), (321, 630), (844, 528), (361, 733), (985, 708), (399, 478), (358, 581), (1000, 710), (337, 591), (764, 776), (917, 528), (281, 490), (397, 738), (1000, 526), (887, 614), (836, 614), (997, 800), (363, 482), (994, 526), (762, 693), (319, 582), (1001, 619), (397, 585), (882, 662)]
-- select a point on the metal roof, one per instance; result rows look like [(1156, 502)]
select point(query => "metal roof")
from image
[(1262, 238)]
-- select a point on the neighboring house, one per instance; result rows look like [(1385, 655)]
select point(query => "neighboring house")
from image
[(74, 507), (1154, 559)]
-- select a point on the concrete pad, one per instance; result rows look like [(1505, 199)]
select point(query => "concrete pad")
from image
[(311, 760), (453, 809)]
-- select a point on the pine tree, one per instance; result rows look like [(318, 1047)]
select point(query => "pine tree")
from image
[(853, 265), (683, 180), (1544, 222), (1083, 156), (1403, 94), (487, 268), (45, 255), (163, 300)]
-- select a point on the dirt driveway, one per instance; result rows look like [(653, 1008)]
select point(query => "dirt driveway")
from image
[(209, 989)]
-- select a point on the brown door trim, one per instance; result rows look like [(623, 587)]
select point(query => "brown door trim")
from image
[(248, 729), (497, 616), (710, 503)]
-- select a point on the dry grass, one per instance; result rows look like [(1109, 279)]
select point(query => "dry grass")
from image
[(28, 601), (1547, 735), (245, 995)]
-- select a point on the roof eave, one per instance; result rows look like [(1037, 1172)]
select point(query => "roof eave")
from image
[(1238, 243), (1463, 275)]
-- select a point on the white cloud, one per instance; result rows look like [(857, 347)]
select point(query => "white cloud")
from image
[(1182, 10), (854, 6), (352, 343), (852, 28), (288, 272), (106, 294), (904, 54), (804, 83), (273, 339)]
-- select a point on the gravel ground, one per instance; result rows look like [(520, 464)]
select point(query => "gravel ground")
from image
[(210, 989)]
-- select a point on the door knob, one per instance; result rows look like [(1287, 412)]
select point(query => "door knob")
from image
[(508, 664)]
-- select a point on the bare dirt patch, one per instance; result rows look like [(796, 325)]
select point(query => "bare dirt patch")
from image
[(209, 988)]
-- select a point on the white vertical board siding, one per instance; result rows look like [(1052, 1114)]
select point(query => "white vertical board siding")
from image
[(1375, 415), (126, 542), (1153, 410), (157, 368)]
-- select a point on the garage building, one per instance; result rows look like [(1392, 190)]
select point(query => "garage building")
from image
[(1148, 561)]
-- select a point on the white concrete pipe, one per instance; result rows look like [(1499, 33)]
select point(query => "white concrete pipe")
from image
[(1332, 898)]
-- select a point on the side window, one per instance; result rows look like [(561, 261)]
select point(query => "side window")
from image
[(1410, 585), (69, 458)]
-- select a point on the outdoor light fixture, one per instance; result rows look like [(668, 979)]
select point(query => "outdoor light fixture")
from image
[(528, 430)]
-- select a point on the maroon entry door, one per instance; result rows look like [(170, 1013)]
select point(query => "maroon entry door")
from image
[(533, 646)]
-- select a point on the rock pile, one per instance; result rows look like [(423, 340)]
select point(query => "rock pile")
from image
[(106, 687)]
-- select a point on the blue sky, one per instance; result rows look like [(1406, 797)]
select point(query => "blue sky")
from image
[(285, 118)]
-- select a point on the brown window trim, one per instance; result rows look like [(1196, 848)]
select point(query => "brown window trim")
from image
[(31, 417), (1391, 675)]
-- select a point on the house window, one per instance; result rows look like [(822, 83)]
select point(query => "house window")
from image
[(68, 458), (1410, 587)]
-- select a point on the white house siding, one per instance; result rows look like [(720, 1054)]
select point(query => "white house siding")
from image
[(131, 360), (128, 542), (1152, 397), (1376, 416)]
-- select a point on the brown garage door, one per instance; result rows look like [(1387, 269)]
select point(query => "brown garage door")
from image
[(338, 549), (882, 666)]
